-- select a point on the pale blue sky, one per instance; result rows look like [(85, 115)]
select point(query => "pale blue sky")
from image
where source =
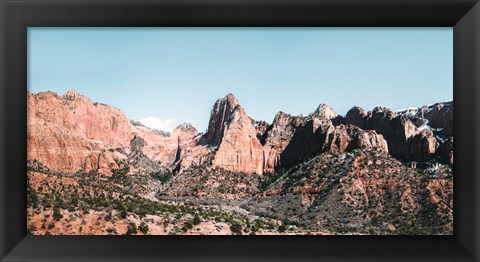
[(178, 73)]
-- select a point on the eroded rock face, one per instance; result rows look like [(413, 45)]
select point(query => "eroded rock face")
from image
[(438, 116), (262, 127), (70, 133), (166, 149), (157, 147), (423, 146), (356, 116), (220, 115), (339, 140), (278, 137), (240, 150), (293, 138), (445, 150), (369, 139), (325, 111), (346, 138), (413, 134), (58, 150), (396, 130), (78, 115), (195, 156), (184, 133), (309, 138)]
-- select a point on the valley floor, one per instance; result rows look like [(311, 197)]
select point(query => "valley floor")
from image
[(360, 192)]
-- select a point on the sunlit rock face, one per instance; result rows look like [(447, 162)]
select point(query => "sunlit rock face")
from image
[(240, 150), (77, 115), (70, 133)]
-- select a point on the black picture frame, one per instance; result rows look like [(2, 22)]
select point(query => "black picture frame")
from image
[(17, 15)]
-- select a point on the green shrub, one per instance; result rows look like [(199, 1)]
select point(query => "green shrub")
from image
[(162, 177), (32, 197), (123, 214), (236, 228), (187, 226), (132, 229), (56, 214), (196, 219), (74, 201), (143, 228)]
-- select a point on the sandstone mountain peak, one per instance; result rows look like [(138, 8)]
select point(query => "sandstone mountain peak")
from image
[(438, 117), (386, 110), (72, 92), (325, 111), (186, 130), (45, 93), (240, 149), (220, 115), (230, 95), (72, 95), (229, 99), (280, 115), (356, 116), (185, 126), (357, 108)]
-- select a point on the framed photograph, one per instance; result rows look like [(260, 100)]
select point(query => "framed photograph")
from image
[(239, 130)]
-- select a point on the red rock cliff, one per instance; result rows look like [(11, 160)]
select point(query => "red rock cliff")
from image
[(70, 133)]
